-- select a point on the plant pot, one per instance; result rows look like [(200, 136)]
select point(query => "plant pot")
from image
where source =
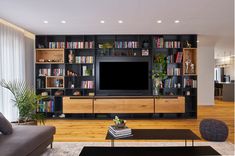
[(121, 125)]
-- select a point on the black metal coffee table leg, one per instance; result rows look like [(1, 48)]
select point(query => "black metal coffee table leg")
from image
[(112, 143)]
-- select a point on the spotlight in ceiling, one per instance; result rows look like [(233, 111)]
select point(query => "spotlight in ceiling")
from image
[(198, 41), (120, 21), (177, 21), (159, 21), (45, 22), (102, 21), (63, 21)]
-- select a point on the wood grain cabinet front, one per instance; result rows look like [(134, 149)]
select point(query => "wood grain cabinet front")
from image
[(71, 105), (123, 106), (170, 105)]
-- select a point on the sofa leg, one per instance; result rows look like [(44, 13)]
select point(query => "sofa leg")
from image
[(51, 145)]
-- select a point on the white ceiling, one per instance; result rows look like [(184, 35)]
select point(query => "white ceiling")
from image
[(212, 20), (206, 17)]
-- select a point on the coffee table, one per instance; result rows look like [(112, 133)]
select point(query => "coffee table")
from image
[(158, 134), (148, 151)]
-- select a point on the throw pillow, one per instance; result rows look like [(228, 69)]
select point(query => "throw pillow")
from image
[(5, 125)]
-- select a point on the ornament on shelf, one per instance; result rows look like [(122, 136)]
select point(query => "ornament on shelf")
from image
[(192, 68), (71, 56), (187, 63), (188, 45)]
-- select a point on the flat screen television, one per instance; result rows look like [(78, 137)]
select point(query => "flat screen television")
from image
[(123, 78)]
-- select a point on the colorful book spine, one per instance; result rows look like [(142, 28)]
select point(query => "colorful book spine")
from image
[(45, 106), (80, 45), (53, 45)]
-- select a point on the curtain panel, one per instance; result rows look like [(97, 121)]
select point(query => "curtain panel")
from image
[(12, 66)]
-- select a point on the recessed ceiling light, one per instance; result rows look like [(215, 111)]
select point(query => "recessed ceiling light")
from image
[(120, 21), (102, 21), (198, 41), (159, 21), (177, 21), (63, 21), (45, 22)]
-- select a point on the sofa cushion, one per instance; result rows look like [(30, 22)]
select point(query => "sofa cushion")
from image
[(5, 125), (25, 139)]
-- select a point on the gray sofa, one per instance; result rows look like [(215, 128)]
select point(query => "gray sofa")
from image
[(26, 140)]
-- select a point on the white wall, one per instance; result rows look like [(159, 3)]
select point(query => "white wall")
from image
[(205, 62)]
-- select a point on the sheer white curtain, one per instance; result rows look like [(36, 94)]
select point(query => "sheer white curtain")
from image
[(12, 66)]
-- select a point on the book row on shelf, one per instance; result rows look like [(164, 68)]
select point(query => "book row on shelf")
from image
[(87, 84), (48, 72), (177, 58), (40, 83), (172, 44), (120, 132), (84, 59), (80, 45), (190, 83), (173, 71), (56, 45), (44, 72), (171, 83), (45, 106), (126, 44), (58, 72), (160, 43)]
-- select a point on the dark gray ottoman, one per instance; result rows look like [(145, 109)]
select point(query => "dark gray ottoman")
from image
[(213, 130)]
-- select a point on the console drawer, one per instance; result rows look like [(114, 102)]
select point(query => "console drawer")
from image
[(123, 106), (77, 105), (170, 105)]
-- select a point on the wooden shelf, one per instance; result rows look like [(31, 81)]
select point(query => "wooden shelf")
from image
[(191, 55), (56, 56), (49, 62), (53, 81), (50, 49)]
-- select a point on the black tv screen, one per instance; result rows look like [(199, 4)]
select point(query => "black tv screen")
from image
[(123, 76)]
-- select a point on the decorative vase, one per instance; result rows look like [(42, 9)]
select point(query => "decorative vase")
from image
[(71, 56), (157, 84)]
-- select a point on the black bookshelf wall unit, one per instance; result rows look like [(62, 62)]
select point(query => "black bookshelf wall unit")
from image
[(92, 75)]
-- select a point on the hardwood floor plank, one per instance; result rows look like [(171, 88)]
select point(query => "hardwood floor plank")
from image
[(95, 130)]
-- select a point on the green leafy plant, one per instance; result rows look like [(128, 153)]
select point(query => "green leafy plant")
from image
[(159, 67), (117, 120), (25, 100), (159, 70)]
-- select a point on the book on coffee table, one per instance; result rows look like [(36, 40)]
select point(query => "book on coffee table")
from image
[(120, 132)]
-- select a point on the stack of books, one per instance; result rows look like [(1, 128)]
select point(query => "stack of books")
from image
[(120, 132)]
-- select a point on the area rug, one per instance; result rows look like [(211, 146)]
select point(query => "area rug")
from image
[(74, 148)]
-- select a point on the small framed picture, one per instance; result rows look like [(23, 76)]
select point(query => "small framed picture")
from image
[(145, 52)]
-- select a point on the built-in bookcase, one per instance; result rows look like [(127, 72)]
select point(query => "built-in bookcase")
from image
[(65, 65)]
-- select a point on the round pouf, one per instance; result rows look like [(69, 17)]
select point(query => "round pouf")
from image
[(213, 130)]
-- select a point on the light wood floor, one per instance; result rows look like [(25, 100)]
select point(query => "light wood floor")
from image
[(95, 130)]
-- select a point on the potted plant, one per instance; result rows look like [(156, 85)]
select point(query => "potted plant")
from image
[(26, 101), (119, 123), (158, 72), (105, 48)]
